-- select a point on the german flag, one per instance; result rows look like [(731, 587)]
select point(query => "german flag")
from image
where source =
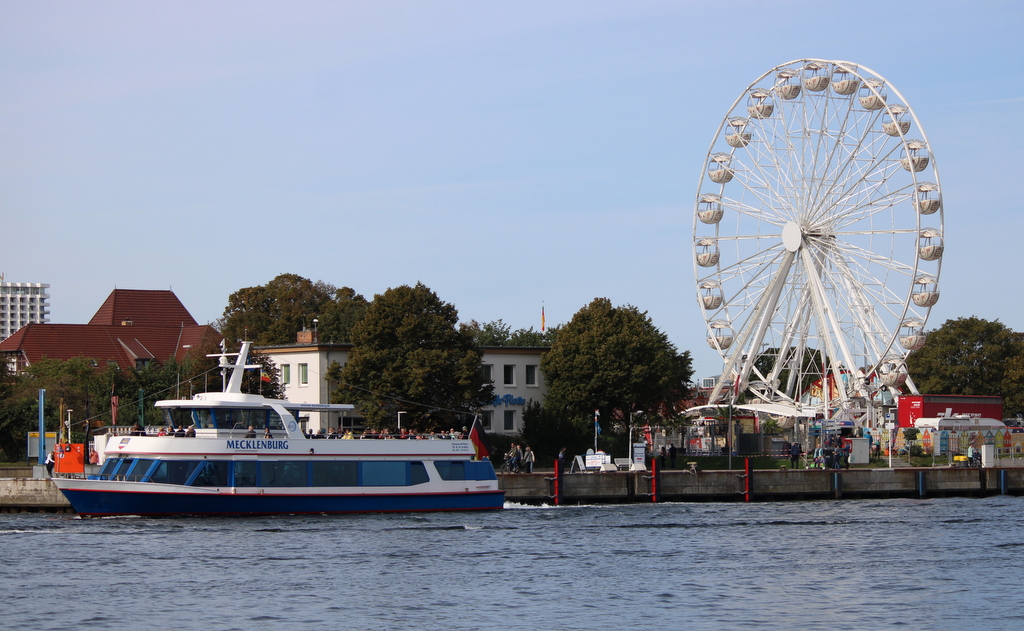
[(481, 445)]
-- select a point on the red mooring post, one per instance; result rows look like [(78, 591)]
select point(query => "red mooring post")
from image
[(748, 479), (558, 482), (654, 479)]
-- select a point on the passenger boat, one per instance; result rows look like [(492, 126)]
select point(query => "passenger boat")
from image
[(273, 468)]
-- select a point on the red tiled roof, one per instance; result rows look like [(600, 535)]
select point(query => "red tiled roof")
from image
[(161, 328), (121, 344), (143, 307)]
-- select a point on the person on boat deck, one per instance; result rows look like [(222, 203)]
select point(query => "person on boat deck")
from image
[(180, 433), (162, 432), (332, 434), (251, 433), (191, 433), (267, 434)]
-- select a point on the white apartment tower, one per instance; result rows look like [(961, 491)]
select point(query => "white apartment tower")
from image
[(21, 304)]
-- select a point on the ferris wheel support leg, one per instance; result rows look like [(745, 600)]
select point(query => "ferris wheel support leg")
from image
[(761, 315), (826, 322)]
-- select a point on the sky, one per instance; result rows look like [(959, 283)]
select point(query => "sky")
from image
[(509, 155)]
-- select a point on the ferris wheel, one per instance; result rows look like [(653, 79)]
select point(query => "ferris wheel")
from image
[(818, 237)]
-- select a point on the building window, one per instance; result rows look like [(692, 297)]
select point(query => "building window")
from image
[(510, 420), (303, 374), (286, 374), (485, 419), (510, 375), (531, 375), (485, 372)]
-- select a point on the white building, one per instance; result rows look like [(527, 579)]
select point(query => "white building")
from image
[(517, 378), (515, 373), (22, 304)]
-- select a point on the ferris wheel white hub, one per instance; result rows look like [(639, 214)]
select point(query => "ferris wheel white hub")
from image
[(792, 236)]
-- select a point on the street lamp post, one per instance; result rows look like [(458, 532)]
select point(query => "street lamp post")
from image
[(67, 425)]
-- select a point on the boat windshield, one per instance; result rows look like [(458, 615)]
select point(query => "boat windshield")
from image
[(223, 418)]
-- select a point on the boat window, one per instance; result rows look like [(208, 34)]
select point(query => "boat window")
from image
[(335, 474), (385, 474), (451, 470), (418, 473), (212, 473), (465, 470), (283, 473), (139, 471), (482, 470), (123, 466), (173, 471), (109, 465), (201, 417), (256, 418), (177, 417), (229, 419), (274, 420), (245, 473)]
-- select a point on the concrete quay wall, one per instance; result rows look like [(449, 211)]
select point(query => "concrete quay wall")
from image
[(765, 485), (20, 495), (40, 494)]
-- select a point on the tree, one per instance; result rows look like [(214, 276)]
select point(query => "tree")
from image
[(615, 360), (498, 333), (273, 313), (546, 432), (971, 356), (409, 354), (340, 315)]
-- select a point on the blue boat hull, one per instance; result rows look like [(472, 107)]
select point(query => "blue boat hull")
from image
[(108, 503)]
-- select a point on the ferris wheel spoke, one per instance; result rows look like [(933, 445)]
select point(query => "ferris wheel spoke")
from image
[(866, 184), (875, 259), (867, 190), (862, 310)]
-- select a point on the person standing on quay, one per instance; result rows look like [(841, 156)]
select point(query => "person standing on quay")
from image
[(49, 464), (672, 454), (794, 455), (528, 459)]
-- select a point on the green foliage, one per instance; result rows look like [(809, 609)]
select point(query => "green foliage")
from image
[(272, 314), (546, 433), (17, 417), (266, 381), (498, 333), (911, 433), (972, 356), (614, 359), (340, 315), (409, 354)]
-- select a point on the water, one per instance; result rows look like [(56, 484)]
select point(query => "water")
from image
[(950, 563)]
